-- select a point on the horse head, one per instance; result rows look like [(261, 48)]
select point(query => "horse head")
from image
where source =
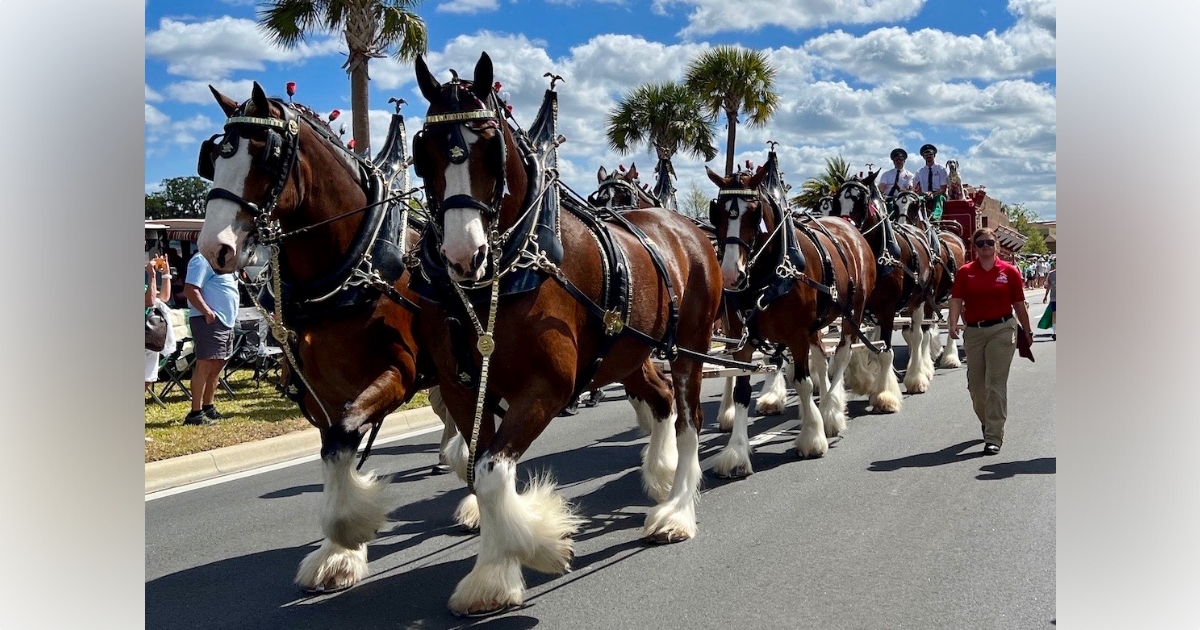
[(739, 215), (466, 153), (257, 166), (860, 201), (619, 189), (911, 206)]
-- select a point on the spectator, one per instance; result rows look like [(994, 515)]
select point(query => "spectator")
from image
[(156, 297), (932, 180), (985, 294), (1051, 289), (213, 301)]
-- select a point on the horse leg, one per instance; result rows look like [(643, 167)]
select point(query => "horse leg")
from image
[(532, 528), (818, 365), (915, 379), (674, 518), (354, 507), (773, 398), (650, 394), (726, 413), (885, 389), (734, 459), (947, 356), (833, 402), (811, 442), (859, 372), (446, 458)]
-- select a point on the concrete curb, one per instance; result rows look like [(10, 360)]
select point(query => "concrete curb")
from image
[(179, 471)]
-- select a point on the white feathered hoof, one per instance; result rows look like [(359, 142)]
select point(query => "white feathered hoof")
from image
[(811, 443), (949, 356), (885, 402), (332, 568), (916, 382), (489, 588), (768, 405), (467, 514), (733, 463), (455, 455), (671, 522), (551, 547), (725, 418)]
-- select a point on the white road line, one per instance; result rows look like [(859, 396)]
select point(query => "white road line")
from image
[(281, 465)]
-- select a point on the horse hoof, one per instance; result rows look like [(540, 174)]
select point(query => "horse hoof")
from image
[(664, 538), (486, 612), (439, 469), (741, 472), (322, 589)]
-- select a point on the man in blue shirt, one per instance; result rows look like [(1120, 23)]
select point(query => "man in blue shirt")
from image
[(212, 308)]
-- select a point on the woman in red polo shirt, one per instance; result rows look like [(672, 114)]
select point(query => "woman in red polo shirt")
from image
[(986, 293)]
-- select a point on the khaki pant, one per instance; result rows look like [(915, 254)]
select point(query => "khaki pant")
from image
[(989, 356)]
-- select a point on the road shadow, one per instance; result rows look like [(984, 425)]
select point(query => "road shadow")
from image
[(1005, 470), (948, 455)]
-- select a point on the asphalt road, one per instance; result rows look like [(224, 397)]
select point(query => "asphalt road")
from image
[(903, 524)]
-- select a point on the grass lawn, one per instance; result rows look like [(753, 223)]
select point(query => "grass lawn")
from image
[(254, 413)]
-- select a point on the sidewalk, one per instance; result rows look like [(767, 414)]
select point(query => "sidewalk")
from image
[(179, 471)]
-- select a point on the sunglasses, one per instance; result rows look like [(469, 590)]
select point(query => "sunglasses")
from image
[(988, 243)]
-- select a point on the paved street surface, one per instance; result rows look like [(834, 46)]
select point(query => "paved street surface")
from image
[(903, 524)]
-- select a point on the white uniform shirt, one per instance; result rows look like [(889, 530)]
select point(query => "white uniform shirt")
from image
[(888, 180), (940, 178)]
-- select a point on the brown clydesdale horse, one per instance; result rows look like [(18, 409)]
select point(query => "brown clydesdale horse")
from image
[(279, 174), (950, 255), (542, 327), (787, 281), (621, 189), (904, 285)]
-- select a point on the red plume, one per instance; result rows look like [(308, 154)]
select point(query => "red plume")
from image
[(291, 88), (351, 145), (333, 115), (496, 86)]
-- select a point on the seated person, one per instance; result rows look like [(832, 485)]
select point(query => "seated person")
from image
[(932, 181), (893, 182)]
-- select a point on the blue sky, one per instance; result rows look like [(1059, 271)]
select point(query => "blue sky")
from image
[(857, 78)]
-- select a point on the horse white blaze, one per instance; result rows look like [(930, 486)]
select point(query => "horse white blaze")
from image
[(464, 234), (221, 225), (731, 261)]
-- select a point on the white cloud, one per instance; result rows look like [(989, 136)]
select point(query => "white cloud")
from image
[(715, 16), (155, 118), (152, 96), (215, 49), (895, 55), (467, 6)]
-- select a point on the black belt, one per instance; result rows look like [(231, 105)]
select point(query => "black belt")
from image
[(990, 322)]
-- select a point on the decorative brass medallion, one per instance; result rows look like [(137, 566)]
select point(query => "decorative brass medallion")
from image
[(486, 345)]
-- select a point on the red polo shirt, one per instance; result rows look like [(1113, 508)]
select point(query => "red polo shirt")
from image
[(987, 294)]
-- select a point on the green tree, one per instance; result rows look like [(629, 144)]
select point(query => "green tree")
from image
[(666, 117), (731, 79), (827, 183), (695, 201), (1022, 220), (370, 27), (180, 198)]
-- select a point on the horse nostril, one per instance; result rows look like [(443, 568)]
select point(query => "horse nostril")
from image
[(478, 259), (224, 252)]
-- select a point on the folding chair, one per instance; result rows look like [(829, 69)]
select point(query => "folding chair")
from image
[(175, 366)]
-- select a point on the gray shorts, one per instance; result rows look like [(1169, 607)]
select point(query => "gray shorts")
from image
[(212, 341)]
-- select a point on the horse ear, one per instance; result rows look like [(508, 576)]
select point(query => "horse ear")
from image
[(601, 175), (633, 173), (713, 177), (869, 180), (430, 88), (259, 98), (227, 104), (481, 84), (756, 180)]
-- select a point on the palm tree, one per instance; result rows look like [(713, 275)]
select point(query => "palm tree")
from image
[(836, 172), (732, 79), (371, 27), (666, 117)]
